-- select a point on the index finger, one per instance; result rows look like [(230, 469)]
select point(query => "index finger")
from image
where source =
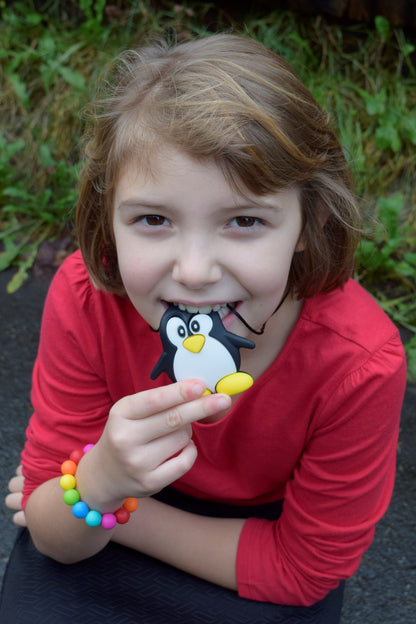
[(157, 400)]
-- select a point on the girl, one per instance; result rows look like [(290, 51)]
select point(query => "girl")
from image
[(212, 180)]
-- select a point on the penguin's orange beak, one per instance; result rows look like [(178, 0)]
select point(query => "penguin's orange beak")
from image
[(194, 343)]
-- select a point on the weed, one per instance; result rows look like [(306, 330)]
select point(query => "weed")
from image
[(365, 77)]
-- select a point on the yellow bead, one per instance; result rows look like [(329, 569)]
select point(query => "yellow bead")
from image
[(68, 482)]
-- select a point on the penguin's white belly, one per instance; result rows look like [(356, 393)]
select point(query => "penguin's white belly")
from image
[(210, 365)]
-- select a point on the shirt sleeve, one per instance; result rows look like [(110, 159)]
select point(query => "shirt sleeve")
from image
[(69, 395), (340, 488)]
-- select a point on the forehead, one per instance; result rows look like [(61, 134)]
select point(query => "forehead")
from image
[(168, 171), (177, 184)]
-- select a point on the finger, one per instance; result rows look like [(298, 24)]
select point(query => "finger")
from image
[(16, 484), (19, 519), (172, 469), (151, 402), (19, 470), (157, 451), (14, 501), (181, 416)]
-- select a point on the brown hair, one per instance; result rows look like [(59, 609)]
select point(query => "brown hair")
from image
[(228, 99)]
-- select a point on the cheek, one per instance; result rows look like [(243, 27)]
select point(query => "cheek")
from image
[(269, 270), (135, 268)]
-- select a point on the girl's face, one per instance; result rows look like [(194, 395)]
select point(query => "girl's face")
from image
[(184, 236)]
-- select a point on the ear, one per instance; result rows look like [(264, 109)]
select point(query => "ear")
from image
[(301, 244)]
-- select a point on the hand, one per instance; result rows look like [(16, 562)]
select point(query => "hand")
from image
[(14, 499), (146, 443)]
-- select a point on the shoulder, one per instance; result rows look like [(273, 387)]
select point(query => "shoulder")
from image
[(72, 277), (74, 306), (345, 338), (350, 315), (72, 288)]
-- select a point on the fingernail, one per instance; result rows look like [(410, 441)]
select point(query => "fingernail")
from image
[(198, 389), (222, 402)]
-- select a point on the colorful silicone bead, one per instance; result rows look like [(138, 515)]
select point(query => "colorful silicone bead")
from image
[(71, 497), (93, 518), (76, 456), (67, 482), (68, 467), (108, 521), (122, 515), (131, 504), (80, 509)]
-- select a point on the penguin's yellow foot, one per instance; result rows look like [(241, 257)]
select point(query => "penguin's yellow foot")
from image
[(234, 383), (206, 393)]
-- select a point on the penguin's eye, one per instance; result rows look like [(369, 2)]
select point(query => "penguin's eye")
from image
[(195, 327), (176, 330), (201, 324)]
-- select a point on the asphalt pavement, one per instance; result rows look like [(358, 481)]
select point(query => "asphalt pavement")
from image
[(383, 591)]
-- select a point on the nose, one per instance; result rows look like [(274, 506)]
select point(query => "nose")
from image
[(196, 265)]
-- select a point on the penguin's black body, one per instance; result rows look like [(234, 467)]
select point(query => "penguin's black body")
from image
[(197, 346)]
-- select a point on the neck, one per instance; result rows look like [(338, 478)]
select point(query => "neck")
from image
[(272, 341)]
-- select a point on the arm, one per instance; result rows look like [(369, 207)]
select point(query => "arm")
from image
[(146, 445), (340, 488), (202, 546)]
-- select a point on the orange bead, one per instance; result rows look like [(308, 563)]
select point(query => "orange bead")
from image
[(131, 504), (69, 467)]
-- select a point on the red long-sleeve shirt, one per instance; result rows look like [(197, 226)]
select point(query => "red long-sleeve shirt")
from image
[(319, 428)]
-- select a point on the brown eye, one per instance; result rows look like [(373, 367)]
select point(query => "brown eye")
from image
[(245, 222), (154, 220)]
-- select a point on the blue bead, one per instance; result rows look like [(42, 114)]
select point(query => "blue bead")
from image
[(80, 509), (93, 518)]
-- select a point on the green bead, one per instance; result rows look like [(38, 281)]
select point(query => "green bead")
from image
[(71, 497)]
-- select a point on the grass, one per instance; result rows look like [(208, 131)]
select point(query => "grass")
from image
[(363, 74)]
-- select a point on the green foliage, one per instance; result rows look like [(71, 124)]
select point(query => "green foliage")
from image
[(364, 76), (387, 262), (32, 217)]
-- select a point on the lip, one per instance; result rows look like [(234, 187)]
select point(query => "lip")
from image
[(227, 319)]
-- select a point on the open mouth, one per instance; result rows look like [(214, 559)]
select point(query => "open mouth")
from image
[(222, 308)]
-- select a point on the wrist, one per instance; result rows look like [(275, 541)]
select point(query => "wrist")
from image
[(93, 485), (80, 508)]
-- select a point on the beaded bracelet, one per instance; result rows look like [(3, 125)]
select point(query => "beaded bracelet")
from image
[(79, 508)]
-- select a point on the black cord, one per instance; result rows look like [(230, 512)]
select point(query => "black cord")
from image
[(260, 331)]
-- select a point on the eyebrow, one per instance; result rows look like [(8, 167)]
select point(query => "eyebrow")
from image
[(137, 202), (133, 203)]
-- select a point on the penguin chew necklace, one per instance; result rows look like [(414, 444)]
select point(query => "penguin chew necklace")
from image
[(198, 346)]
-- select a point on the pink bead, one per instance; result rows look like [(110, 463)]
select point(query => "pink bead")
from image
[(87, 448), (108, 521)]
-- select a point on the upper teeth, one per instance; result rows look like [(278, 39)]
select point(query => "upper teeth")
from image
[(221, 308)]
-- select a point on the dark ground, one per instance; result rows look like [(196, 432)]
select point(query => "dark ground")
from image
[(384, 588)]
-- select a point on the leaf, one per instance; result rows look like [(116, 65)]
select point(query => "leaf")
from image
[(405, 269), (382, 25), (388, 137), (390, 209), (17, 193), (20, 89), (73, 78), (410, 258), (45, 156), (408, 127)]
